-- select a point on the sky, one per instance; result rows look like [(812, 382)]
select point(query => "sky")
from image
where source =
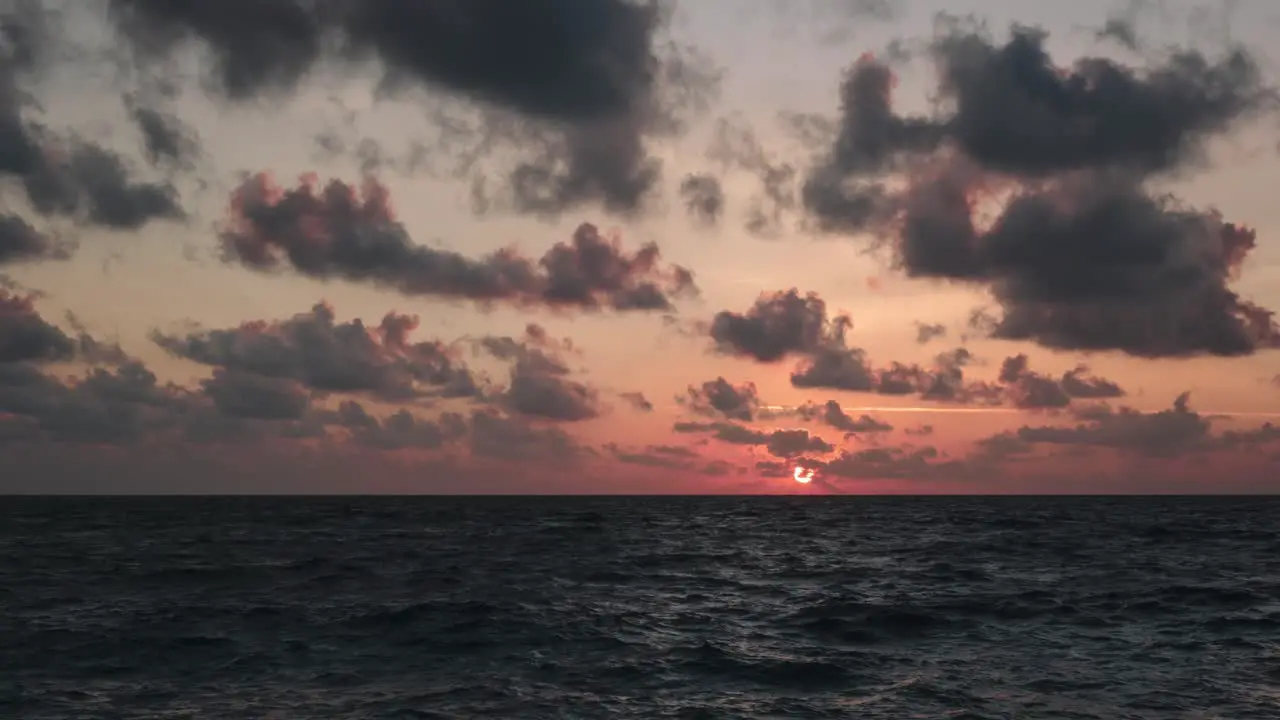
[(626, 246)]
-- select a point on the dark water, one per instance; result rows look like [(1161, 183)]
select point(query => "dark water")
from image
[(640, 608)]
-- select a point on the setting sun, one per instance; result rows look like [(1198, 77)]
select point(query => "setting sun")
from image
[(803, 476)]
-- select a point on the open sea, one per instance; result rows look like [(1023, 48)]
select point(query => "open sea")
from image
[(283, 608)]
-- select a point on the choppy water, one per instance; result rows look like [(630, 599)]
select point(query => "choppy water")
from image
[(640, 608)]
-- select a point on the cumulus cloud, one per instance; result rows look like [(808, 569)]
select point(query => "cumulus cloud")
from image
[(703, 197), (672, 457), (721, 398), (1083, 255), (322, 354), (783, 442), (786, 324), (339, 232), (25, 336), (775, 326), (399, 431), (63, 174), (1166, 433), (166, 139), (832, 414), (595, 77), (1032, 390), (638, 401), (926, 332), (20, 242), (539, 383)]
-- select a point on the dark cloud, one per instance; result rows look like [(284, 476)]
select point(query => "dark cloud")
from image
[(66, 175), (256, 47), (340, 233), (1095, 263), (793, 443), (777, 325), (240, 394), (1016, 112), (726, 432), (703, 197), (719, 397), (784, 323), (501, 437), (319, 353), (842, 193), (123, 406), (595, 76), (400, 431), (1083, 256), (1078, 383), (166, 139), (539, 383), (1163, 434), (20, 242), (25, 336), (832, 414), (1120, 30), (92, 185), (1031, 390), (884, 463), (784, 443), (638, 401), (929, 331), (672, 457)]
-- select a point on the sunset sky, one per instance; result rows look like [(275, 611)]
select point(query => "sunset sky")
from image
[(605, 246)]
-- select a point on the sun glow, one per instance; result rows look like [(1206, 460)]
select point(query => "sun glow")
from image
[(803, 476)]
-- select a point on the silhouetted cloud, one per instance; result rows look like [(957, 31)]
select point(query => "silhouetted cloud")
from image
[(793, 443), (929, 331), (20, 242), (241, 394), (166, 139), (539, 383), (594, 75), (884, 463), (316, 351), (340, 233), (842, 193), (1166, 433), (496, 436), (1083, 256), (1094, 262), (1016, 112), (399, 431), (703, 197), (26, 337), (1031, 390), (784, 443), (784, 323), (722, 398), (775, 326), (832, 414), (638, 401)]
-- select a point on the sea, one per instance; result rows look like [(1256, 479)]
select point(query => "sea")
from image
[(524, 607)]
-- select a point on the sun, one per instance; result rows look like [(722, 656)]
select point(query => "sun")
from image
[(803, 476)]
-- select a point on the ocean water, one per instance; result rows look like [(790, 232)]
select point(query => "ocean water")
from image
[(969, 608)]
